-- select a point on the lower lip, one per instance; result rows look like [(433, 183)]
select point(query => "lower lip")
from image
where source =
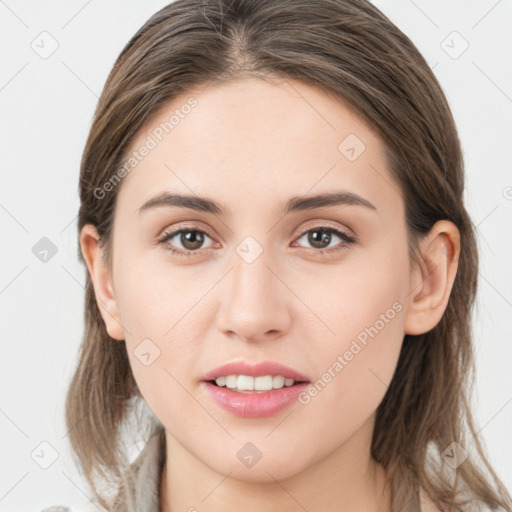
[(255, 405)]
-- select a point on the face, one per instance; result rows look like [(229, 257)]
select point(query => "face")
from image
[(318, 287)]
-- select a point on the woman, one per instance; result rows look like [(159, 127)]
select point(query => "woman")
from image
[(280, 266)]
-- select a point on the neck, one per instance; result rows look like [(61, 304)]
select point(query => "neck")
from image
[(345, 480)]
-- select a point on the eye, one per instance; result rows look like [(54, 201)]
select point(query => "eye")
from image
[(190, 238), (320, 237)]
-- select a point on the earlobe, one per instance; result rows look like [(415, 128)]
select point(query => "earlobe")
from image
[(102, 281), (432, 279)]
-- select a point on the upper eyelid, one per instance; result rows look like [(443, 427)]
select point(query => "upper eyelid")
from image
[(174, 231), (312, 224), (322, 224)]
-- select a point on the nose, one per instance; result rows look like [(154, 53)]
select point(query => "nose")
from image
[(255, 302)]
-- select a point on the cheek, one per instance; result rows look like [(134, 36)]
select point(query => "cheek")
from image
[(368, 291), (353, 372), (162, 315), (153, 298), (355, 360)]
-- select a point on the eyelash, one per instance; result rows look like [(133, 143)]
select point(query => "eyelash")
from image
[(348, 240)]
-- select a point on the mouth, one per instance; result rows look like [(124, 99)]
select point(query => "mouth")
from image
[(254, 378)]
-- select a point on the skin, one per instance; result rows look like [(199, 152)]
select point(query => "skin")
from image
[(251, 145)]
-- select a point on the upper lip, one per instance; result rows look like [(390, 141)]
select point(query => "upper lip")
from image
[(255, 370)]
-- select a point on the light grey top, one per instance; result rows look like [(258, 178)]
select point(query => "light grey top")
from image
[(141, 482), (141, 486)]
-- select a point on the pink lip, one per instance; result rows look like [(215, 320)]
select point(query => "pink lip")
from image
[(257, 370), (254, 405)]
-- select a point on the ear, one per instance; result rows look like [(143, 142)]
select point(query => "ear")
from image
[(102, 281), (432, 279)]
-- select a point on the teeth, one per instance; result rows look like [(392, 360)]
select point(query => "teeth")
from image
[(230, 381), (278, 381), (246, 383), (243, 382), (220, 381)]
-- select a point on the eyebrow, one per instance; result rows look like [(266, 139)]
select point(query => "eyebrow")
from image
[(294, 204)]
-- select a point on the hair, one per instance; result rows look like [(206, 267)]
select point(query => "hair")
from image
[(352, 51)]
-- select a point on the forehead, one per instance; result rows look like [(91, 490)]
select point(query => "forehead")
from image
[(251, 139)]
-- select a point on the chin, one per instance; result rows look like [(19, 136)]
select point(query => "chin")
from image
[(265, 470)]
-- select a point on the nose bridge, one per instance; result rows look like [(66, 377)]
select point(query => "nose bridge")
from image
[(255, 302)]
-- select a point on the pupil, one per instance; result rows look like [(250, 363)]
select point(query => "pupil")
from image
[(317, 238), (192, 239)]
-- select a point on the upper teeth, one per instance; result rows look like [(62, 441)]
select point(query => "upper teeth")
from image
[(248, 383)]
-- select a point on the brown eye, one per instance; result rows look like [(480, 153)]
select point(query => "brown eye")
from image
[(320, 238), (191, 241)]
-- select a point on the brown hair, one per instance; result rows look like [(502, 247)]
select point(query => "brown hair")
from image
[(351, 50)]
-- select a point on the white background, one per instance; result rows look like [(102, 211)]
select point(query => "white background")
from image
[(46, 111)]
